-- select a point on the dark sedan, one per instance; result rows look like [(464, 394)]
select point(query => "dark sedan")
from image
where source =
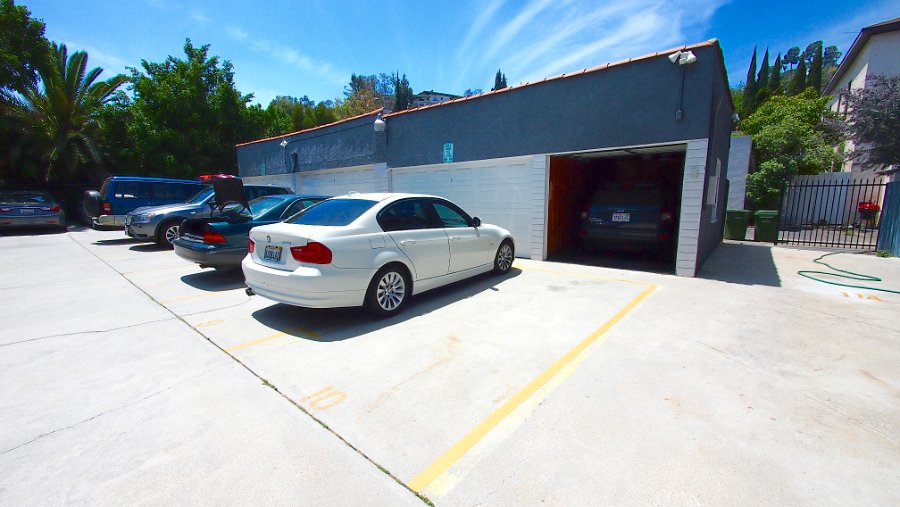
[(221, 241), (30, 209)]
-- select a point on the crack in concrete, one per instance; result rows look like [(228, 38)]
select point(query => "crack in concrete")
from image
[(265, 382), (93, 331), (115, 409)]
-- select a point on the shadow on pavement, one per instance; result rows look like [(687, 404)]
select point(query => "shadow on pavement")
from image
[(337, 324), (114, 242), (651, 262), (31, 231), (148, 247), (216, 280), (746, 264)]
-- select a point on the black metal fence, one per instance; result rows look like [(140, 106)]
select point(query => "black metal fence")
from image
[(832, 210)]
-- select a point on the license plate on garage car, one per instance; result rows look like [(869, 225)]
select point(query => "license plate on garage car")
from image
[(621, 217), (272, 253)]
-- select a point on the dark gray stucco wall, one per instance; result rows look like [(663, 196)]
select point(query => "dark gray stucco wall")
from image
[(720, 124), (630, 104), (346, 144)]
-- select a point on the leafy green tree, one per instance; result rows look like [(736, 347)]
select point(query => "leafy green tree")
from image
[(57, 117), (187, 115), (403, 93), (737, 97), (810, 52), (792, 57), (22, 47), (499, 81), (790, 137), (831, 56), (815, 69), (873, 121), (798, 80), (748, 105), (775, 76)]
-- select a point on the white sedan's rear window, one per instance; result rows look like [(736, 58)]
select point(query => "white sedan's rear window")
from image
[(333, 212)]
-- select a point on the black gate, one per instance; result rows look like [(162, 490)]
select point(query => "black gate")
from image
[(831, 210)]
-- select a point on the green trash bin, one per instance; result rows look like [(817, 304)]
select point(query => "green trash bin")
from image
[(766, 226), (736, 221)]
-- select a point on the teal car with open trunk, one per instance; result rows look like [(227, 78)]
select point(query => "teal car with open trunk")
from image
[(221, 241)]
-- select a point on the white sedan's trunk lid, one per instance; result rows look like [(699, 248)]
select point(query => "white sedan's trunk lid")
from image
[(273, 244)]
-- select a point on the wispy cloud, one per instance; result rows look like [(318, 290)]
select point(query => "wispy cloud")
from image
[(293, 57), (199, 17), (236, 33), (543, 38), (110, 63)]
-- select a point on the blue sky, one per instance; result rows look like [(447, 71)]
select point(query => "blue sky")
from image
[(310, 48)]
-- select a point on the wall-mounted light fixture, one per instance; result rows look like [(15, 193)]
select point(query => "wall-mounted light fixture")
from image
[(283, 143), (380, 124), (682, 58)]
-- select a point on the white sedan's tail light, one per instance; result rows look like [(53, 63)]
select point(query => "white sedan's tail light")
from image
[(312, 253)]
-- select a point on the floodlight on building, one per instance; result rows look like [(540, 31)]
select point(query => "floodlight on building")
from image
[(283, 143), (380, 124), (683, 57)]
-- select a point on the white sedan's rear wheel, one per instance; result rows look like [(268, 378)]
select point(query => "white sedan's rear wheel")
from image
[(388, 291)]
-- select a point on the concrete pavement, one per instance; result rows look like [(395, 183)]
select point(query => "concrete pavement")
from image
[(557, 384)]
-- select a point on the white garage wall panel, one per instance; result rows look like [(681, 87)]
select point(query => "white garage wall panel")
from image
[(500, 192), (691, 208), (340, 182), (275, 180)]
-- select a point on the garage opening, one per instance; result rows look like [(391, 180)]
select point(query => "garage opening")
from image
[(616, 208)]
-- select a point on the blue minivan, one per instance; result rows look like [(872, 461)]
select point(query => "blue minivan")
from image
[(121, 194)]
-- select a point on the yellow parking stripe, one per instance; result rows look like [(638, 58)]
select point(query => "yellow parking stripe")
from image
[(452, 455), (290, 332)]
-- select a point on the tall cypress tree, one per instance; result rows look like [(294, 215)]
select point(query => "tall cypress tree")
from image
[(798, 82), (499, 81), (748, 104), (762, 79), (775, 77), (815, 69)]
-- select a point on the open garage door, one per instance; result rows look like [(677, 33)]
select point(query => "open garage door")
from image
[(499, 193), (337, 182), (616, 208)]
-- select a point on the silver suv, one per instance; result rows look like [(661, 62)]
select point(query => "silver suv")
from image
[(161, 223)]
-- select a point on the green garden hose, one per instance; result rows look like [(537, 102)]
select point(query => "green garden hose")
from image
[(847, 274)]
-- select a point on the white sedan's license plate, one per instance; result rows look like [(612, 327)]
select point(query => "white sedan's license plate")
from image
[(272, 253), (621, 217)]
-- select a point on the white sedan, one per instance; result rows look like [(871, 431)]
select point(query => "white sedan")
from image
[(373, 250)]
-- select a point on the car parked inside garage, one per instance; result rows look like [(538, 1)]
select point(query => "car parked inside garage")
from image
[(373, 250), (628, 217)]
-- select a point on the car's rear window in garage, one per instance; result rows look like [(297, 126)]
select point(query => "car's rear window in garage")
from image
[(333, 212)]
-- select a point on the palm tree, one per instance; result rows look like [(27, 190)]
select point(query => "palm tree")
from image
[(57, 116)]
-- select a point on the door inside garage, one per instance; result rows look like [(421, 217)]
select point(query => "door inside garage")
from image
[(616, 208)]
